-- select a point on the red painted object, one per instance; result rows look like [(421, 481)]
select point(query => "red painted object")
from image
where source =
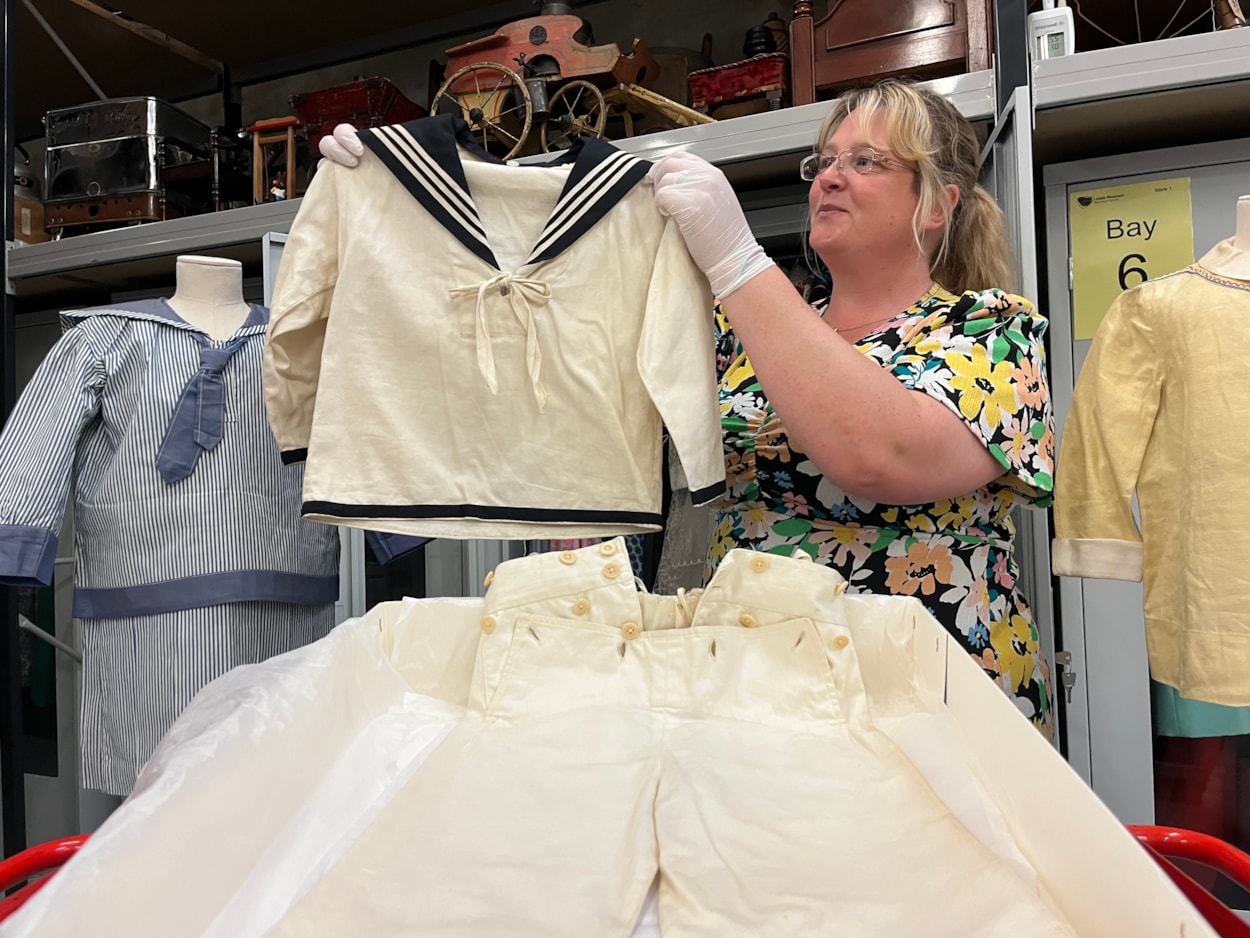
[(560, 42), (25, 866), (760, 76), (370, 102), (1170, 843), (1162, 842)]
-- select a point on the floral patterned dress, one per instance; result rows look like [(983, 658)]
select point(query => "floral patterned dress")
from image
[(981, 355)]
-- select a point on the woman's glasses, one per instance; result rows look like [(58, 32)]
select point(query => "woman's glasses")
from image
[(859, 160)]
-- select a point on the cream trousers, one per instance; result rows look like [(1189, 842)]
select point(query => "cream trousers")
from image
[(724, 741)]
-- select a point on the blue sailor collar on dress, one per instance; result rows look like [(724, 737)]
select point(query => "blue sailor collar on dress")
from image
[(158, 310), (423, 154)]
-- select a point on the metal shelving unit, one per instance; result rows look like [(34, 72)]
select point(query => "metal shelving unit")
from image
[(117, 259), (791, 130), (1173, 92), (157, 239), (1167, 65), (755, 148)]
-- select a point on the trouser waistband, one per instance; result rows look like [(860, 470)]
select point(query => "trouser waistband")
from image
[(761, 643)]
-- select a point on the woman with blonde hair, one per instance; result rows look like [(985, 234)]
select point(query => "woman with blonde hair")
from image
[(890, 433)]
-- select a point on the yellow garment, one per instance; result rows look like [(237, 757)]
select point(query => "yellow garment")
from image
[(1162, 407)]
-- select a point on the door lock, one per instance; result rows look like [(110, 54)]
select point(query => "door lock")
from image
[(1067, 676)]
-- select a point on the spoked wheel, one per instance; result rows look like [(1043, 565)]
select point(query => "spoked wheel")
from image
[(495, 103), (577, 110)]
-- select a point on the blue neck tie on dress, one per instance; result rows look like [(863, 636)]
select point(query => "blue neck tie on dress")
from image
[(199, 414)]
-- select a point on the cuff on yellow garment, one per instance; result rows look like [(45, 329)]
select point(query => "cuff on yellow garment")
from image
[(1097, 558)]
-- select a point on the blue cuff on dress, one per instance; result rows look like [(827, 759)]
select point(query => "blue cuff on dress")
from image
[(27, 555)]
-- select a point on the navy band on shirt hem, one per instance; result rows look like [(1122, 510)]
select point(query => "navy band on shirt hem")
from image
[(484, 513)]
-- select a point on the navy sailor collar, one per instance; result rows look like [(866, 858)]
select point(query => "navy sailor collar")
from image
[(422, 154)]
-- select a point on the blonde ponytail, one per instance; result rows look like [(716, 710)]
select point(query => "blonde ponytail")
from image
[(975, 255)]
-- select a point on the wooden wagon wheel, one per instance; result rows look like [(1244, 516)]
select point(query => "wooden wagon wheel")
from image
[(577, 110), (494, 101)]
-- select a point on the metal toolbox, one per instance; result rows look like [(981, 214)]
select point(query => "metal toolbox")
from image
[(119, 147)]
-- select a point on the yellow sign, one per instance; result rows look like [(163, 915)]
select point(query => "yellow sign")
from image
[(1121, 236)]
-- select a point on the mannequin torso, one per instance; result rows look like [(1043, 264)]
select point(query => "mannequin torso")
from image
[(209, 294), (1231, 257)]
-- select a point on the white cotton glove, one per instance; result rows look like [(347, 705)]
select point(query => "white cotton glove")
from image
[(699, 198), (343, 146)]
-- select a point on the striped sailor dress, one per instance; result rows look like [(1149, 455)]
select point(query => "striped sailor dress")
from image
[(190, 555)]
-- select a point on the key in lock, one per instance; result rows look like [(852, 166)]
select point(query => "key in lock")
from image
[(1067, 675)]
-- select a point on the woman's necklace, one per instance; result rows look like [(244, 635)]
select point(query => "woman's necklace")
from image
[(933, 287), (858, 325)]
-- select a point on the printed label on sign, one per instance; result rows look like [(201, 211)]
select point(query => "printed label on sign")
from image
[(1122, 236)]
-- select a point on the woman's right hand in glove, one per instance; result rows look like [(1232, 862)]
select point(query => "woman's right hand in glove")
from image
[(343, 146)]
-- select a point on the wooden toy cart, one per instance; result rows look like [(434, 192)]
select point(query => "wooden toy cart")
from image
[(545, 74)]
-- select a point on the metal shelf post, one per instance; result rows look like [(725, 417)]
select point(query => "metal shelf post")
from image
[(12, 786)]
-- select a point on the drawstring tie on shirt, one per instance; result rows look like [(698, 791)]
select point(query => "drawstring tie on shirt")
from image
[(523, 295)]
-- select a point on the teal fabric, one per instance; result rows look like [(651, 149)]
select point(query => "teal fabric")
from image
[(1179, 716)]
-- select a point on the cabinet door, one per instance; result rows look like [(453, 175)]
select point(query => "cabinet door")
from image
[(1110, 734), (1007, 174)]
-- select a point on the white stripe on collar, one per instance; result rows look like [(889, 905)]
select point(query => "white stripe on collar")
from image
[(583, 202), (446, 183), (425, 170)]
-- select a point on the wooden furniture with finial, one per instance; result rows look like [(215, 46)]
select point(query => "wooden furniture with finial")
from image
[(861, 40)]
